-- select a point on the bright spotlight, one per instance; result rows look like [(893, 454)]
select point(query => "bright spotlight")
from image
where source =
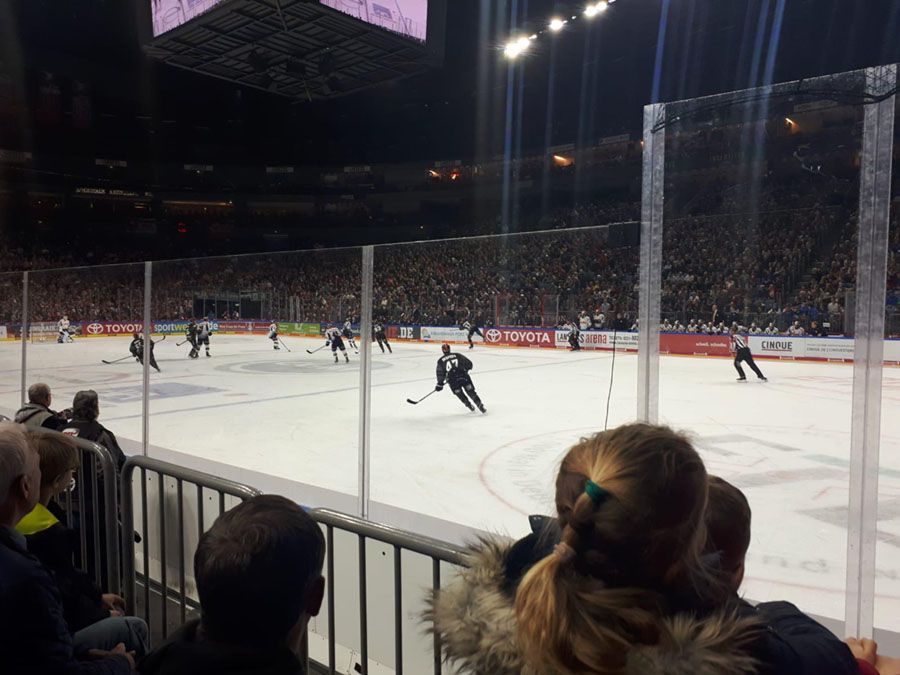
[(514, 48), (556, 25), (591, 11)]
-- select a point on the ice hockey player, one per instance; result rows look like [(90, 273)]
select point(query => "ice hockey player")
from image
[(63, 328), (381, 337), (454, 370), (572, 337), (771, 329), (347, 333), (204, 330), (273, 334), (137, 351), (742, 353), (335, 341), (473, 329), (191, 334)]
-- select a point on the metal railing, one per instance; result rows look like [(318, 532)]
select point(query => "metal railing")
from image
[(203, 484), (400, 540), (95, 498)]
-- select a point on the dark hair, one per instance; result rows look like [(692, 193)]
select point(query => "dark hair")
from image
[(629, 553), (727, 523), (254, 570), (86, 405)]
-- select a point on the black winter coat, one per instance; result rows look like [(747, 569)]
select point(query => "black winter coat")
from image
[(34, 638), (187, 653)]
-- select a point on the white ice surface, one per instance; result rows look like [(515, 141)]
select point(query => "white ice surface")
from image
[(252, 412)]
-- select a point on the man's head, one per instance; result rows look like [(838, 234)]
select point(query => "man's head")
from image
[(728, 527), (39, 393), (445, 348), (20, 474), (86, 405), (259, 573)]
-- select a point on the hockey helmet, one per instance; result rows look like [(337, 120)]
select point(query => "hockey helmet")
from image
[(445, 348)]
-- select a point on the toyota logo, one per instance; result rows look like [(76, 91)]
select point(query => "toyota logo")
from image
[(94, 328), (493, 335)]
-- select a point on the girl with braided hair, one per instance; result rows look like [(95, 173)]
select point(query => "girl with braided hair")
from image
[(618, 584)]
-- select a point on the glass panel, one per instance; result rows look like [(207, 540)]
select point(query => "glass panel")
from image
[(762, 191), (268, 413), (887, 561), (101, 307), (499, 303), (10, 344)]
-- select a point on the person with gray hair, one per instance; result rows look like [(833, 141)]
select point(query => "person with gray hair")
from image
[(36, 413), (84, 424), (34, 637)]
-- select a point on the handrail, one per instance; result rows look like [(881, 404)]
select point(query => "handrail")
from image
[(110, 510), (181, 475)]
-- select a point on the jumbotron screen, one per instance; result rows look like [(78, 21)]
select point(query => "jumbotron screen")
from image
[(405, 17), (170, 14)]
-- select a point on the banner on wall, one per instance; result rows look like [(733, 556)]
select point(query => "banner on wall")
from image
[(301, 328), (3, 334), (176, 327), (521, 337), (448, 333), (103, 328), (597, 339), (403, 332), (694, 344)]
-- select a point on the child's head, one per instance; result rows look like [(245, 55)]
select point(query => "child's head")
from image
[(59, 460), (728, 528), (631, 505)]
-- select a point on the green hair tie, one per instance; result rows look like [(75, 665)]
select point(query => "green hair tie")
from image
[(595, 492)]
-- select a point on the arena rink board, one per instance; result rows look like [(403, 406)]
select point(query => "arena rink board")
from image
[(292, 416)]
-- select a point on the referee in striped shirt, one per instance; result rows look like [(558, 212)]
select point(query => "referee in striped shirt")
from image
[(742, 353)]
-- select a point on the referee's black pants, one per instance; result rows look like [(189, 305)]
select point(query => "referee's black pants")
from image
[(743, 354)]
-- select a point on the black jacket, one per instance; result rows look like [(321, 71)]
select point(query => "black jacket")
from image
[(475, 617), (92, 430), (187, 653), (55, 546), (34, 638)]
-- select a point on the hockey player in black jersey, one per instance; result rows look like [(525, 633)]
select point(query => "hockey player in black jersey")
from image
[(454, 370), (472, 329), (742, 353), (381, 337), (137, 351), (191, 334)]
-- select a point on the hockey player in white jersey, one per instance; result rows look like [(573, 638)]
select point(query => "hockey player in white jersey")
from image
[(334, 339), (204, 330), (273, 334), (347, 334), (63, 327)]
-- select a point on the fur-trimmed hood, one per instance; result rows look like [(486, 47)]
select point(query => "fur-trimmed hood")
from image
[(475, 619)]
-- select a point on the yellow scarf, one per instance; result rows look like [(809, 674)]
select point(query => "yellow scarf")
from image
[(38, 520)]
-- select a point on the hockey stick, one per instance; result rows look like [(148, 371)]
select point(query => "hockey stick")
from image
[(284, 345), (178, 344), (411, 402), (109, 363), (313, 351)]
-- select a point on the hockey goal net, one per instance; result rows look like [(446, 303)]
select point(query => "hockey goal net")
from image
[(43, 332)]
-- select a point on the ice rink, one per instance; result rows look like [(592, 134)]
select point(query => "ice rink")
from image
[(250, 412)]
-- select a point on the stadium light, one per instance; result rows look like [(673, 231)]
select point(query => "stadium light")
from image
[(557, 24), (515, 48), (595, 8)]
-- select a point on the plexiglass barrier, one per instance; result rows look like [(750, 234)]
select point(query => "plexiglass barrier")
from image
[(542, 383), (10, 342), (758, 207)]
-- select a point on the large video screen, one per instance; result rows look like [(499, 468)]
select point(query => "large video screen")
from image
[(406, 17), (169, 14)]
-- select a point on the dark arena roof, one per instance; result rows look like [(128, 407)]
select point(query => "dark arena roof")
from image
[(296, 48)]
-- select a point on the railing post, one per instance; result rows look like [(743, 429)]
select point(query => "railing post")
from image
[(24, 336), (652, 201), (365, 378), (868, 353), (148, 352)]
